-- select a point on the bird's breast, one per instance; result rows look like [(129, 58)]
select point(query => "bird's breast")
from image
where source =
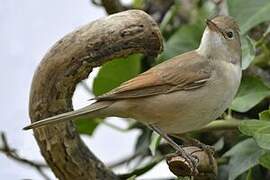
[(184, 111), (190, 110)]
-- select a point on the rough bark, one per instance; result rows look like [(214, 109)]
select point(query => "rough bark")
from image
[(68, 62)]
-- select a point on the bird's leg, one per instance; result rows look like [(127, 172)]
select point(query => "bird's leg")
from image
[(192, 161), (210, 150)]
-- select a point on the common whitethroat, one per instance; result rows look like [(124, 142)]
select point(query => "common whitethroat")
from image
[(180, 95)]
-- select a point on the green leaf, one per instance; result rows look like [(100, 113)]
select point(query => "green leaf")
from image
[(249, 13), (87, 126), (115, 72), (251, 92), (155, 141), (184, 39), (259, 129), (265, 115), (250, 127), (219, 144), (244, 156), (265, 160), (137, 4), (248, 51), (262, 137)]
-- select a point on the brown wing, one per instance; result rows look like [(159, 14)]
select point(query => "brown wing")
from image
[(185, 72)]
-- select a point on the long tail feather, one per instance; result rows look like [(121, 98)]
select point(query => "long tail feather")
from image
[(89, 111)]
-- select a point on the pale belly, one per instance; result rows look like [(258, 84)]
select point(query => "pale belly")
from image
[(182, 111)]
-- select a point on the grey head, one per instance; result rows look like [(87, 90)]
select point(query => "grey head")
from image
[(221, 39)]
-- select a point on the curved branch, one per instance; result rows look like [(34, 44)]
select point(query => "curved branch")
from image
[(68, 62)]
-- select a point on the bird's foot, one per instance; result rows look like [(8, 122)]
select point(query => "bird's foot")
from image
[(207, 148), (210, 150)]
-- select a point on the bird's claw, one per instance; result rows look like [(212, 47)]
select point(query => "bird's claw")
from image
[(207, 148), (191, 160)]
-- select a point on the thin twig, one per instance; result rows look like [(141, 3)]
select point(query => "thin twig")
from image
[(12, 154), (124, 160), (142, 170), (221, 125)]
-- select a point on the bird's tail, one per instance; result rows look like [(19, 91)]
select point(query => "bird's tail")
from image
[(88, 111)]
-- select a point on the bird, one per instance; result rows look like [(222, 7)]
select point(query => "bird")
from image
[(179, 95)]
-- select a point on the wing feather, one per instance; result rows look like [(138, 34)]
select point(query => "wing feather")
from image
[(185, 72)]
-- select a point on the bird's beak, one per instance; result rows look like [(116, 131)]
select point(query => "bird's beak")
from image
[(213, 27)]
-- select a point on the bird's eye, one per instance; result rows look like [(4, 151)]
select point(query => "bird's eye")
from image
[(229, 34)]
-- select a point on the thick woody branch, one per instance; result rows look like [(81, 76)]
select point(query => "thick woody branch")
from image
[(68, 62)]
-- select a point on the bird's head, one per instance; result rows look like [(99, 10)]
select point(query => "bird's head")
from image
[(221, 39)]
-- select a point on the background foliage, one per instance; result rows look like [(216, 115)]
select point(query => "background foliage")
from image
[(243, 153)]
